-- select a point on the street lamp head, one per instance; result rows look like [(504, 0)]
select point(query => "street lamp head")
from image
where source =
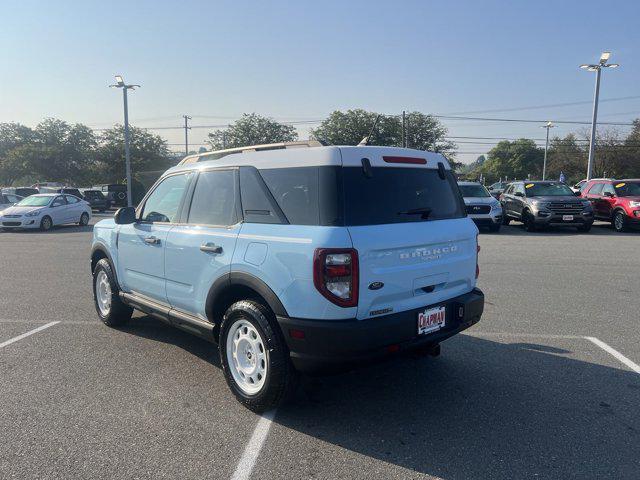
[(119, 81), (604, 57), (611, 65)]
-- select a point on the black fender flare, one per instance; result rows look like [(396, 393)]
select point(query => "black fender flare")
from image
[(101, 247), (227, 282)]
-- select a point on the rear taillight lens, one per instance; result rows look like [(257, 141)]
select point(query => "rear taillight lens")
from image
[(335, 275)]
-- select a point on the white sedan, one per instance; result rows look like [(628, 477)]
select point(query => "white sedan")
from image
[(43, 211)]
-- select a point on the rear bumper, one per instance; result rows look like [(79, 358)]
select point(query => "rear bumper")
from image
[(333, 345)]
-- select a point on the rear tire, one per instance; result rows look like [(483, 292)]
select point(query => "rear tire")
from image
[(84, 219), (46, 223), (619, 221), (255, 358), (106, 296)]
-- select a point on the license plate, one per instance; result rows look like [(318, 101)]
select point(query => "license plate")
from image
[(431, 320), (567, 218)]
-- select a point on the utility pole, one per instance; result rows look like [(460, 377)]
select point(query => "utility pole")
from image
[(546, 147), (596, 67), (186, 133), (404, 139), (120, 84)]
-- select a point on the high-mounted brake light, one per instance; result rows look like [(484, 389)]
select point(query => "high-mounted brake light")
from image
[(412, 160), (335, 275)]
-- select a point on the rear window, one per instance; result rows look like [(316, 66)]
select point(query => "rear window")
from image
[(399, 195)]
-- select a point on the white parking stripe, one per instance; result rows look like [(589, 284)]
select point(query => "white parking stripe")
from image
[(30, 332), (633, 366), (252, 450)]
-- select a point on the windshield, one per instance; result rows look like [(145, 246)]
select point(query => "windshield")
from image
[(627, 189), (474, 191), (399, 195), (547, 190), (34, 201)]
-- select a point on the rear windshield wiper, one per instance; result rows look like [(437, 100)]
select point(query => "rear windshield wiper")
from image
[(423, 212)]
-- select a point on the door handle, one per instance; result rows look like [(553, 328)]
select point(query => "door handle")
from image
[(211, 247), (152, 240)]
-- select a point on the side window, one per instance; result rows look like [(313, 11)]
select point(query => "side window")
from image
[(58, 201), (163, 204), (596, 189), (509, 190), (214, 199), (296, 191), (258, 205), (608, 188), (71, 200), (11, 198), (519, 188)]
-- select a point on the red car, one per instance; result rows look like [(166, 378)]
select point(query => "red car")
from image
[(615, 201)]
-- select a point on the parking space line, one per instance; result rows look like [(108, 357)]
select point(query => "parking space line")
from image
[(252, 450), (632, 365), (30, 332), (520, 335)]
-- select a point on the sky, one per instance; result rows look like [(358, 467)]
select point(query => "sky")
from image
[(300, 60)]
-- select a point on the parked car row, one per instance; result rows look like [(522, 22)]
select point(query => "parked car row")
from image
[(538, 204), (44, 211), (93, 196)]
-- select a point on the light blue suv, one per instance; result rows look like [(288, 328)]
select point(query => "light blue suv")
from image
[(295, 258)]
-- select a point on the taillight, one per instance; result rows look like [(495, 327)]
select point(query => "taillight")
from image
[(335, 275), (477, 255)]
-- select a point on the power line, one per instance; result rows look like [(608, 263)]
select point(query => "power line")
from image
[(542, 107)]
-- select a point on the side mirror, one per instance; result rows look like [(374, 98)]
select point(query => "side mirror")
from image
[(125, 216), (519, 194), (577, 193), (608, 194)]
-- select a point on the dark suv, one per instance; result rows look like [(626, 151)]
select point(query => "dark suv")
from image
[(538, 204), (615, 201)]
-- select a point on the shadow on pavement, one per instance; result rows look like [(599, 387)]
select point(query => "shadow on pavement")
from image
[(481, 410)]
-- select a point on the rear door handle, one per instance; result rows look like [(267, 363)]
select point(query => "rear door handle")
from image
[(152, 240), (211, 247)]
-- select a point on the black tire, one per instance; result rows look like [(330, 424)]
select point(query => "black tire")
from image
[(119, 313), (528, 221), (505, 220), (46, 223), (619, 221), (281, 379), (585, 228), (84, 219), (494, 228)]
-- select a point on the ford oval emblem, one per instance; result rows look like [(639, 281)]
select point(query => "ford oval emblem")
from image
[(376, 285)]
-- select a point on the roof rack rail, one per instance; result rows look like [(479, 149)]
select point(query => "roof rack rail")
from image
[(218, 154)]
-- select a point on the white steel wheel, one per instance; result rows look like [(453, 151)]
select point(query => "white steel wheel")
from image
[(103, 293), (247, 357)]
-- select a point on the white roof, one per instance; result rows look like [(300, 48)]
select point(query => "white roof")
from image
[(324, 156)]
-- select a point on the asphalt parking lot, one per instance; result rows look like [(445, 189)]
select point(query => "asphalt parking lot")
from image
[(529, 392)]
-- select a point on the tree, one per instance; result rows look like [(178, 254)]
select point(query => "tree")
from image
[(565, 155), (252, 129), (149, 153), (350, 127), (425, 132), (518, 159)]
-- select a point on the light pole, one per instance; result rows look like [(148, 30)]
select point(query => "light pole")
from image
[(596, 67), (120, 84), (546, 147)]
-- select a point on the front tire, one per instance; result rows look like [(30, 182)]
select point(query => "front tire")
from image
[(494, 228), (106, 296), (46, 223), (619, 222), (84, 219), (584, 228), (528, 221), (505, 219), (254, 357)]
